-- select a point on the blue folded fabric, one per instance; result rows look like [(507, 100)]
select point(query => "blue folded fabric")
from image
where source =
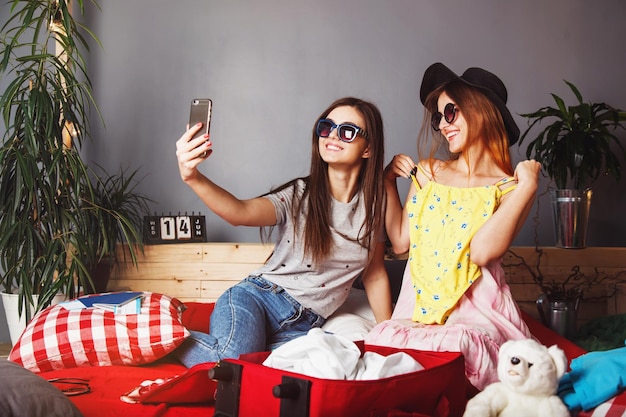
[(595, 377)]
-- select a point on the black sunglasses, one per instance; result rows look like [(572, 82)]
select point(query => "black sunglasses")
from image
[(449, 114), (346, 132)]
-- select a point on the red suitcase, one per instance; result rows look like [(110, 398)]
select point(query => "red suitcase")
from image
[(246, 388)]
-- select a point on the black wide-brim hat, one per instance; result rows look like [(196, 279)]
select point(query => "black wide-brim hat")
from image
[(489, 84)]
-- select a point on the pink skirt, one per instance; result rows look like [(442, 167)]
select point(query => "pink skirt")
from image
[(485, 317)]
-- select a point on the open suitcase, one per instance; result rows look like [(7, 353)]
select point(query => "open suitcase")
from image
[(246, 388)]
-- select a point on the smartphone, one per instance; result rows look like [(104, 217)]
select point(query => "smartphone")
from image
[(201, 113)]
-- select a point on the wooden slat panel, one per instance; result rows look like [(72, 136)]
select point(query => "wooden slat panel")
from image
[(191, 271), (174, 288), (181, 253), (523, 292), (162, 271), (186, 271), (617, 305), (559, 273), (229, 272), (591, 309), (599, 256), (213, 289), (254, 253), (195, 299), (202, 271)]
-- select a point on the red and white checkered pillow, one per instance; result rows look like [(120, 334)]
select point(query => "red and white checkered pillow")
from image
[(57, 338)]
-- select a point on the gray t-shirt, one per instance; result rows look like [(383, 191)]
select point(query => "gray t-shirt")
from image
[(322, 288)]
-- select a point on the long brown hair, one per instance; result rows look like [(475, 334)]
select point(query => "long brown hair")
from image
[(317, 196), (484, 122)]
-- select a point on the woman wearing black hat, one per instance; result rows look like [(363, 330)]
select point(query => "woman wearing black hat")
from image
[(457, 222)]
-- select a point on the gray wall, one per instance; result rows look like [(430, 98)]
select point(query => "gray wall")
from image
[(272, 66)]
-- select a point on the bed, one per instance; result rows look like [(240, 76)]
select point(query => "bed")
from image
[(108, 383)]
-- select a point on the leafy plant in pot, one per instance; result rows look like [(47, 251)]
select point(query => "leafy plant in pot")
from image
[(574, 150), (43, 180), (114, 215)]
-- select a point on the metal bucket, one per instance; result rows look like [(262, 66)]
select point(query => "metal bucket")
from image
[(571, 215), (559, 316)]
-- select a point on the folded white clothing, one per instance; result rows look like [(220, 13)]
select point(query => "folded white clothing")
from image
[(325, 355)]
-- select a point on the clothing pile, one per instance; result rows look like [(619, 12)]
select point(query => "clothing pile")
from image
[(326, 355)]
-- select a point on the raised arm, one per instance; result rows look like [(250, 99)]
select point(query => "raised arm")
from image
[(190, 153), (396, 218), (494, 238)]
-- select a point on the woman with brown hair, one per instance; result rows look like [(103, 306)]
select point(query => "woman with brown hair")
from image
[(329, 228)]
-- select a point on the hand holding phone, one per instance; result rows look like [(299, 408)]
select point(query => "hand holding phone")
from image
[(200, 112)]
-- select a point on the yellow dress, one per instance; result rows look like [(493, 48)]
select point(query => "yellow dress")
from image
[(443, 220)]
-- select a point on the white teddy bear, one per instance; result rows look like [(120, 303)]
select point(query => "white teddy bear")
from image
[(529, 374)]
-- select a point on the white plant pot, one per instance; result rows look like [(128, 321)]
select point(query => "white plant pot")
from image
[(16, 323)]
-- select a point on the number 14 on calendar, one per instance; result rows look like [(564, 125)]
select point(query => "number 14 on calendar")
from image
[(174, 229)]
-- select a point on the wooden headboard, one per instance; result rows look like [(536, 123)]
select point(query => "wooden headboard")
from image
[(202, 271), (190, 271)]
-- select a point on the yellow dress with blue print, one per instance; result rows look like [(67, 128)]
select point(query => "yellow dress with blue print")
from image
[(446, 302), (443, 220)]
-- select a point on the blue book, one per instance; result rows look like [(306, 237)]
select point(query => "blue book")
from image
[(114, 301)]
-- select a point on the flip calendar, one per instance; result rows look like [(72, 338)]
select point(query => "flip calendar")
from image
[(174, 228)]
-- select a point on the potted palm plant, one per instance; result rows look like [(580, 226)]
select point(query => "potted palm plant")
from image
[(576, 148), (114, 215), (44, 183)]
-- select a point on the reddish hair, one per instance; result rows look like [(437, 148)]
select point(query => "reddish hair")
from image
[(484, 121)]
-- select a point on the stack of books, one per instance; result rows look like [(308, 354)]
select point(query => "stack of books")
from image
[(124, 302)]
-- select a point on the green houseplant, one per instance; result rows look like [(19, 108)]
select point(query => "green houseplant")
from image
[(114, 215), (42, 176), (559, 296), (59, 219), (576, 148)]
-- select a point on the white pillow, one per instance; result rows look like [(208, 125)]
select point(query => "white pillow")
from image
[(354, 319)]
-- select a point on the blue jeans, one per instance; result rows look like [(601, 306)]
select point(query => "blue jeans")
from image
[(253, 316)]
